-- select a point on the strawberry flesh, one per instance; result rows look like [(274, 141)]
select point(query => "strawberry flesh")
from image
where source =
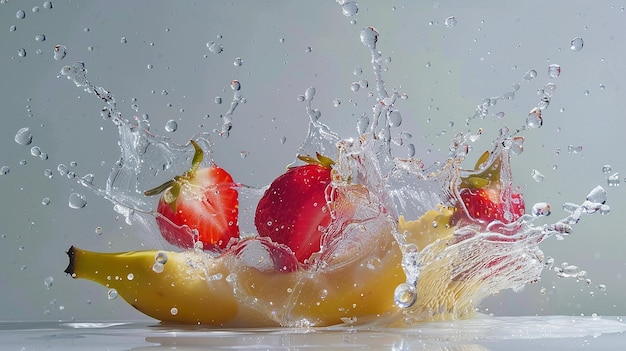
[(198, 206)]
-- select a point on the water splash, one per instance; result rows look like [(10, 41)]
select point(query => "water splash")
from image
[(471, 261)]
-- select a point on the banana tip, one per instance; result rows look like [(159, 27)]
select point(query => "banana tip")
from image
[(71, 253)]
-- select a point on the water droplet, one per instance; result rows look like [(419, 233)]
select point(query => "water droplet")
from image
[(123, 40), (238, 61), (537, 176), (374, 263), (130, 276), (21, 52), (4, 170), (158, 267), (369, 37), (47, 5), (355, 86), (35, 9), (568, 270), (59, 52), (231, 278), (20, 14), (350, 8), (174, 311), (235, 85), (613, 179), (606, 169), (405, 295), (35, 151), (541, 209), (171, 126), (77, 201), (45, 201), (597, 195), (283, 140), (336, 102), (450, 22), (24, 136), (554, 71), (323, 294), (112, 294), (410, 150), (47, 282), (530, 75), (13, 28), (309, 93), (161, 257), (358, 70), (549, 90), (98, 230), (243, 154), (572, 149), (40, 37), (601, 287), (214, 47), (576, 44), (534, 119), (395, 118)]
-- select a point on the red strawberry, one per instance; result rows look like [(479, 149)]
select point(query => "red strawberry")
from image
[(202, 200), (483, 198), (485, 205), (294, 209)]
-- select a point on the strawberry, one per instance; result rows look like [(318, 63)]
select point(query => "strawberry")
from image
[(199, 205), (485, 205), (293, 210), (484, 197)]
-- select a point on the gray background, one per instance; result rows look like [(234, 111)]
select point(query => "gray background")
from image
[(445, 71)]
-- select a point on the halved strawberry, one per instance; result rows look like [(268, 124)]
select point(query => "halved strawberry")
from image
[(293, 210), (484, 198), (486, 205), (201, 200)]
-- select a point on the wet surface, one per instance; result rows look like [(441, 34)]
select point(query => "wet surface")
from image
[(480, 333)]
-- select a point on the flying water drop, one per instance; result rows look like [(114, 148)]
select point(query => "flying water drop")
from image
[(450, 22), (537, 176), (48, 282), (534, 119), (369, 37), (59, 52), (530, 75), (112, 294), (350, 8), (576, 44), (541, 209), (554, 71), (77, 201), (214, 47), (171, 126), (613, 179), (24, 136)]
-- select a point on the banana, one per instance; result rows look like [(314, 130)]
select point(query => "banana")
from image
[(195, 288)]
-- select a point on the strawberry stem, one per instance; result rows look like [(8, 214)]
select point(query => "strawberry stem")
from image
[(195, 164), (159, 189), (197, 157), (319, 160)]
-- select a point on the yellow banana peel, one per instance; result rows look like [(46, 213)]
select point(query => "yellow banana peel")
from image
[(195, 288)]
